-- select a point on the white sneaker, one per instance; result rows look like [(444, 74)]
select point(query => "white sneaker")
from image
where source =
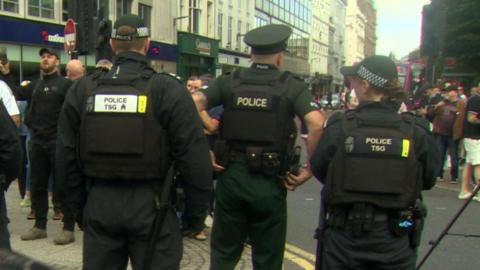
[(477, 198), (464, 195)]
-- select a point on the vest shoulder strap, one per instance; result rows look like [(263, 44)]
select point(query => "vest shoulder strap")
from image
[(279, 83)]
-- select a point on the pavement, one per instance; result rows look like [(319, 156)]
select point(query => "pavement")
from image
[(196, 254)]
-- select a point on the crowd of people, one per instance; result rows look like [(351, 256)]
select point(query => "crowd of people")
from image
[(452, 112), (239, 129)]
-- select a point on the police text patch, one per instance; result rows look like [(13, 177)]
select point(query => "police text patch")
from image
[(116, 103), (253, 101), (378, 145)]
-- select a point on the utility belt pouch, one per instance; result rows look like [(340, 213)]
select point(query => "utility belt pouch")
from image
[(419, 214), (221, 151), (402, 223), (254, 158), (360, 219), (271, 164)]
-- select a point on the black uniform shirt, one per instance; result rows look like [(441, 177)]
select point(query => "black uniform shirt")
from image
[(425, 148), (9, 148), (45, 97), (176, 113)]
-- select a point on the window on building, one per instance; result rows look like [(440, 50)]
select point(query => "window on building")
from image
[(101, 6), (9, 5), (194, 14), (239, 35), (229, 36), (124, 7), (41, 8), (65, 10), (145, 12), (220, 26), (247, 27)]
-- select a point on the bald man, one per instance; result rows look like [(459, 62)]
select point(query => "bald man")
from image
[(75, 70)]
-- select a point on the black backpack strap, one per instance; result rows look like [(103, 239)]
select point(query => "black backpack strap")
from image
[(408, 124), (349, 121)]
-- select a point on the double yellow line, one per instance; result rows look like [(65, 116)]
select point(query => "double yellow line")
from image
[(300, 257)]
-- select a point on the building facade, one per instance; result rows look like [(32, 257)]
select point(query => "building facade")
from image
[(234, 18), (298, 15), (336, 42), (355, 23), (27, 26), (367, 7), (318, 56)]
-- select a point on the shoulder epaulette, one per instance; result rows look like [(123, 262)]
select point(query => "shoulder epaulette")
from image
[(335, 117), (172, 75), (419, 121), (296, 77), (424, 123)]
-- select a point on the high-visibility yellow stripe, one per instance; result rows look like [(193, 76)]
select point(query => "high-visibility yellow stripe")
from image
[(405, 148)]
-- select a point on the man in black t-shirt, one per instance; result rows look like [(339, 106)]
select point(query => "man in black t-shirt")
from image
[(471, 133)]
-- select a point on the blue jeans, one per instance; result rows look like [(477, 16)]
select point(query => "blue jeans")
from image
[(447, 143)]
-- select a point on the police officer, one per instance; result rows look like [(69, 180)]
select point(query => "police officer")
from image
[(257, 133), (119, 133), (374, 162), (10, 154)]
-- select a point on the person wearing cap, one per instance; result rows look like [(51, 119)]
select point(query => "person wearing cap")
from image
[(373, 163), (45, 97), (257, 133), (447, 126), (124, 127)]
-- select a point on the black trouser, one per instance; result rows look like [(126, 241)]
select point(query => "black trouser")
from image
[(42, 165), (22, 177), (377, 250), (4, 235), (118, 219)]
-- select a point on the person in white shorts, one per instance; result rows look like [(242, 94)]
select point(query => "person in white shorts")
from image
[(472, 145)]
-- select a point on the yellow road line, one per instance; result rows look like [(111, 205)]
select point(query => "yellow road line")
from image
[(304, 254), (303, 263)]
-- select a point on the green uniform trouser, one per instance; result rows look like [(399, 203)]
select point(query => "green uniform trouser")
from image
[(248, 205)]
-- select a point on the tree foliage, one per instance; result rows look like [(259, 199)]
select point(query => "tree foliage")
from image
[(462, 36)]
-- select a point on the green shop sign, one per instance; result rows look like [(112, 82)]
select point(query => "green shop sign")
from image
[(197, 45)]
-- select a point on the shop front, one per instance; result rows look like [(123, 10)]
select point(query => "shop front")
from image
[(197, 55), (21, 39), (230, 60)]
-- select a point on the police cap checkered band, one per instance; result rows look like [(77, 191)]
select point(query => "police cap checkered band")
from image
[(372, 78), (377, 70), (132, 21)]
